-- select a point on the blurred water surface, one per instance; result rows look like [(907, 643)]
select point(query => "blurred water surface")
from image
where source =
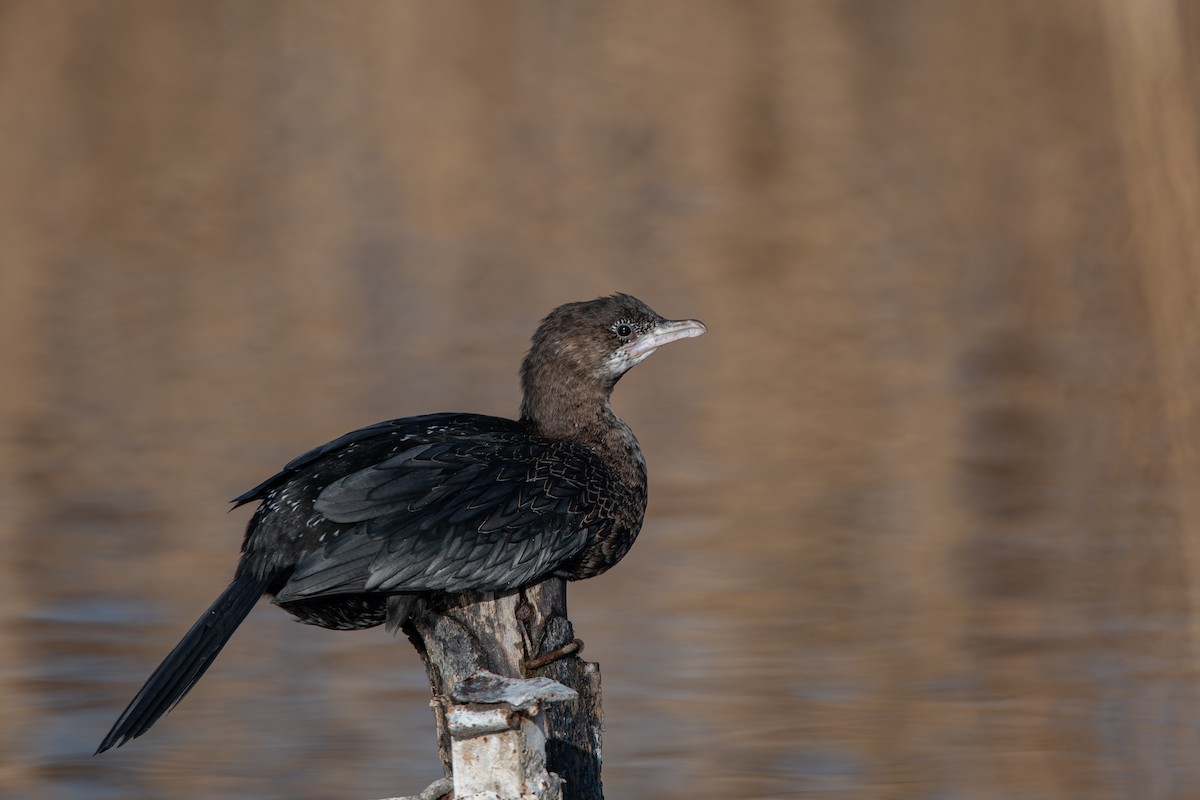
[(923, 520)]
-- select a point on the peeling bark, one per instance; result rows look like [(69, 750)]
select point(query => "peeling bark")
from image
[(508, 634)]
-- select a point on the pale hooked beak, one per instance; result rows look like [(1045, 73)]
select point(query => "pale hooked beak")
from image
[(667, 331)]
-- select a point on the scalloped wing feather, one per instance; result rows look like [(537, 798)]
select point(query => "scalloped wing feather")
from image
[(451, 514)]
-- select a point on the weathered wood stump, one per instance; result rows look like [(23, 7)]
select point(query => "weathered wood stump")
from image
[(498, 737), (517, 634)]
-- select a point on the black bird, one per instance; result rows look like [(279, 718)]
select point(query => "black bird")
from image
[(351, 533)]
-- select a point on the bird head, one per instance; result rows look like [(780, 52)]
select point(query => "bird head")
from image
[(581, 350)]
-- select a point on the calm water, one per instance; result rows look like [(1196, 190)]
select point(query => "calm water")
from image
[(922, 521)]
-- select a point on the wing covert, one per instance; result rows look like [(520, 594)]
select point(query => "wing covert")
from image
[(455, 514)]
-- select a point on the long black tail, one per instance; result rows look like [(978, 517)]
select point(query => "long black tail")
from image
[(180, 670)]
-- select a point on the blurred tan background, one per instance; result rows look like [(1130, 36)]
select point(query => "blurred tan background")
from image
[(923, 511)]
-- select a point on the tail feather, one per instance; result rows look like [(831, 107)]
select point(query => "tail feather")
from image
[(184, 665)]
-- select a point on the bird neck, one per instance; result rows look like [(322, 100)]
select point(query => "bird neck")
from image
[(565, 409), (577, 413)]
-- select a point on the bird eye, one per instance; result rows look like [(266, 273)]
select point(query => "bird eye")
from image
[(623, 330)]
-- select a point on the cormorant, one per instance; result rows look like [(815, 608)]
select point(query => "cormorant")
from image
[(350, 534)]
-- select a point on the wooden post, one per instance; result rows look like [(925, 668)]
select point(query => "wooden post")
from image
[(498, 737), (516, 635)]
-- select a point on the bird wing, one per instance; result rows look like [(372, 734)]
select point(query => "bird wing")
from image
[(450, 513), (389, 429)]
